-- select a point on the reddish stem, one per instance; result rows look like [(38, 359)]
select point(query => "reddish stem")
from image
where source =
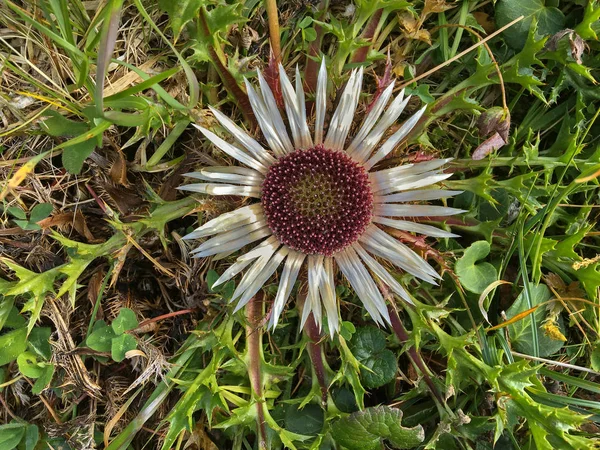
[(414, 355), (316, 355), (368, 33), (253, 346)]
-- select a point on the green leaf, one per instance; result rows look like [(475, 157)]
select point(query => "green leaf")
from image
[(10, 435), (549, 20), (365, 430), (35, 284), (380, 365), (58, 125), (180, 12), (32, 436), (100, 339), (307, 421), (40, 212), (121, 345), (125, 321), (476, 277), (12, 344), (521, 333), (44, 379), (17, 212), (74, 155), (28, 365), (39, 341)]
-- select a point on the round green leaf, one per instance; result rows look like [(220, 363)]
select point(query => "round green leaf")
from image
[(476, 277), (101, 338), (383, 367), (307, 421), (121, 345), (125, 321), (28, 365)]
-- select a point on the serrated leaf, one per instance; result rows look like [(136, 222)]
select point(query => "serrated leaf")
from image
[(120, 345), (125, 321), (12, 344), (475, 277), (520, 332), (365, 430), (180, 12)]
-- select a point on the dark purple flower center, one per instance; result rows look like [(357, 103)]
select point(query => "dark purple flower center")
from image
[(317, 201)]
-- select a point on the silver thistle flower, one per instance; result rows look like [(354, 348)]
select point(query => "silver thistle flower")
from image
[(319, 202)]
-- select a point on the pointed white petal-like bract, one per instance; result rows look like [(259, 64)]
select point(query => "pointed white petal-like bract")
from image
[(243, 138), (232, 151), (306, 140), (228, 174), (235, 244), (289, 275), (382, 273), (261, 113), (328, 296), (320, 103), (363, 284), (313, 300), (261, 259), (273, 112), (414, 227), (395, 139), (394, 210), (222, 189), (408, 182), (389, 118), (229, 236), (229, 221), (344, 113), (413, 196), (371, 119), (383, 245), (262, 277)]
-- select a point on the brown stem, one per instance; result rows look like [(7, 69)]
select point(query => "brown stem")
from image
[(273, 17), (311, 70), (360, 55), (228, 80), (414, 355), (316, 355), (253, 347)]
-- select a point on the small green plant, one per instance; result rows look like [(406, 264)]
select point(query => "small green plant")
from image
[(114, 338)]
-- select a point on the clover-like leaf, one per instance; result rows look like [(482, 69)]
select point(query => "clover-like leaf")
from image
[(125, 321), (365, 430), (120, 345), (101, 337), (476, 277)]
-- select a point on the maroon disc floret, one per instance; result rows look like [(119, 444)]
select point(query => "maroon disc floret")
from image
[(317, 201)]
